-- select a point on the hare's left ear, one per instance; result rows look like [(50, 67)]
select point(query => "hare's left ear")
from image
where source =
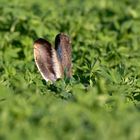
[(63, 50), (46, 60)]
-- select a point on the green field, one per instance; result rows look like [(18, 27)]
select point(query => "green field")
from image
[(102, 99)]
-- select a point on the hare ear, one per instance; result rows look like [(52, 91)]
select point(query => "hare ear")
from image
[(43, 59), (63, 50)]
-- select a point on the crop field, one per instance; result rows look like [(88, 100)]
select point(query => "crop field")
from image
[(102, 99)]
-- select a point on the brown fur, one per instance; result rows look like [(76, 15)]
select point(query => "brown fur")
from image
[(51, 62), (62, 41), (43, 54)]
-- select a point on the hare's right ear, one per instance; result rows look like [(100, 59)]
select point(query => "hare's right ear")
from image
[(46, 60)]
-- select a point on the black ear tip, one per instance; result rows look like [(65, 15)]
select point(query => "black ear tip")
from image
[(42, 41), (39, 40), (58, 36), (61, 36)]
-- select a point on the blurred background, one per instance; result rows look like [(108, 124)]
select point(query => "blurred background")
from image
[(101, 101)]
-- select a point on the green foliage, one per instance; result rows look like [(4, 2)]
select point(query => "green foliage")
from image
[(102, 99)]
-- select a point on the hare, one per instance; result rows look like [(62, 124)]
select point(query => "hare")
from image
[(53, 62)]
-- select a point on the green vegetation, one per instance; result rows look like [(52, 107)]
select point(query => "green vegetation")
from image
[(101, 101)]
